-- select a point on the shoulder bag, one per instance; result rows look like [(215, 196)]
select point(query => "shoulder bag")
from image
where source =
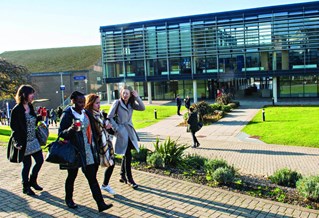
[(42, 133), (14, 155), (62, 152)]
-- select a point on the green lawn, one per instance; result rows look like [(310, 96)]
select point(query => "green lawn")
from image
[(295, 125), (140, 119)]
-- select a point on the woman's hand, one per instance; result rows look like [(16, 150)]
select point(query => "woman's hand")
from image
[(108, 126), (134, 93)]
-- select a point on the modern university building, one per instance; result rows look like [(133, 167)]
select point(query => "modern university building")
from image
[(275, 47)]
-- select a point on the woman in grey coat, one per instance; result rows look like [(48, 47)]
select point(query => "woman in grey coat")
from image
[(126, 138)]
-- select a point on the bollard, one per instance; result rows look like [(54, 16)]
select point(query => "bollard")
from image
[(263, 112), (273, 101), (155, 114)]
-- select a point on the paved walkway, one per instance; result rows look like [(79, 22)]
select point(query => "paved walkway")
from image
[(160, 196)]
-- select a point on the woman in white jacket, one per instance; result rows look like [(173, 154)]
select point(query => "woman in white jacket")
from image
[(126, 137)]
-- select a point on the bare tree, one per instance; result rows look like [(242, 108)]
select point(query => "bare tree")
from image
[(11, 77)]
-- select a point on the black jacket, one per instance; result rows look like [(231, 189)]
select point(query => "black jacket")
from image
[(18, 126), (193, 122), (77, 138)]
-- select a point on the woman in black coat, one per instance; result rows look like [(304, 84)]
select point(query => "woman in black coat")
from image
[(23, 123), (193, 125), (85, 139)]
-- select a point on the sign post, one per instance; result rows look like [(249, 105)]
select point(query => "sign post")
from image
[(62, 88)]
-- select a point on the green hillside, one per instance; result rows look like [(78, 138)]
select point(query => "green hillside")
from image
[(55, 59)]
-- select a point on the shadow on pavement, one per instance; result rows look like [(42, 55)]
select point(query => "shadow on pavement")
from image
[(227, 209), (269, 152), (150, 209), (10, 202)]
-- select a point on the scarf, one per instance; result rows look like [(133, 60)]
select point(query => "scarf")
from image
[(100, 124)]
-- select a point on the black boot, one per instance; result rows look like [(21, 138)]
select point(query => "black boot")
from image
[(34, 184), (103, 206), (70, 203), (26, 189)]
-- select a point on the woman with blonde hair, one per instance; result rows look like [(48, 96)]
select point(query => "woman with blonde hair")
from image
[(126, 138), (101, 124)]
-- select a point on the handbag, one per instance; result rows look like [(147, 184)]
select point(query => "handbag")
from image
[(188, 128), (107, 155), (42, 133), (62, 152), (14, 155), (199, 125)]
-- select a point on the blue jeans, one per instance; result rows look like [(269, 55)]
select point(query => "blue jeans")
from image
[(27, 162)]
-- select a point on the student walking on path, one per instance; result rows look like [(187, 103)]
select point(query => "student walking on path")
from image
[(23, 124), (193, 125), (178, 104), (101, 125), (84, 137), (125, 135)]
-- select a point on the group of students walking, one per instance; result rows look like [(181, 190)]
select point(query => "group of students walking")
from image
[(88, 139)]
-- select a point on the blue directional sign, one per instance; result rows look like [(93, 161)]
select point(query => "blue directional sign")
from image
[(62, 87), (79, 77)]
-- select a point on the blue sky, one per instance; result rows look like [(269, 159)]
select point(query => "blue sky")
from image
[(35, 24)]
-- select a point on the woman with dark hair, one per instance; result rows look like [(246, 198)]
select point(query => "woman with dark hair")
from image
[(23, 123), (101, 124), (84, 137), (125, 135)]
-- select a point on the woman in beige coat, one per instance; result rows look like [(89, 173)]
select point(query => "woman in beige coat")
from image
[(126, 137)]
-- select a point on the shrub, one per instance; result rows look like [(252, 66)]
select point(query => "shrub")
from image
[(155, 160), (140, 156), (216, 106), (203, 108), (223, 175), (170, 151), (226, 108), (212, 165), (224, 99), (193, 161), (286, 177), (232, 105), (309, 187)]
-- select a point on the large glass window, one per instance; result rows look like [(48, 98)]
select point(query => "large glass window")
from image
[(253, 62), (150, 42), (311, 86), (157, 67), (134, 68), (115, 69)]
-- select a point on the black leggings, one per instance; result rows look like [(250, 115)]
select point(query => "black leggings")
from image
[(107, 174), (90, 174), (126, 169), (195, 141), (27, 162)]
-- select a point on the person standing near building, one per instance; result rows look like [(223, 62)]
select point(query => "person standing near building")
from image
[(101, 125), (193, 126), (84, 137), (126, 138), (23, 124), (187, 101), (178, 104)]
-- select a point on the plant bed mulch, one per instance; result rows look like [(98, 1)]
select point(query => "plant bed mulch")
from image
[(252, 185)]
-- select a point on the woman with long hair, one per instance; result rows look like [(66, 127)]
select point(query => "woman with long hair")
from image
[(23, 124), (101, 124), (126, 137), (84, 137)]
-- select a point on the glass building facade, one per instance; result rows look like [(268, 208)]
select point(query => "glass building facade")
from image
[(227, 48)]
